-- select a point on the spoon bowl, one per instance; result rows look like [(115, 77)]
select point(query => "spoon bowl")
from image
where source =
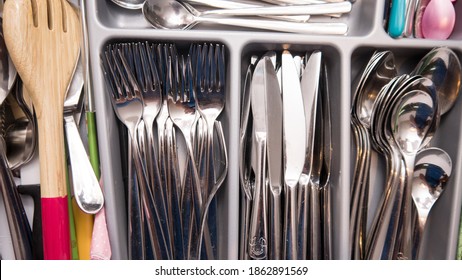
[(443, 67), (412, 119), (432, 170), (20, 142)]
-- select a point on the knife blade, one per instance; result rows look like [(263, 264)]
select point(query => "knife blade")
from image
[(274, 153), (309, 86), (258, 231), (294, 131)]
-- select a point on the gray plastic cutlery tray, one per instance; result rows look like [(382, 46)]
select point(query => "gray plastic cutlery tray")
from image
[(345, 57)]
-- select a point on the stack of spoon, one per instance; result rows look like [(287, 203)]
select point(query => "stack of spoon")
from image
[(398, 116)]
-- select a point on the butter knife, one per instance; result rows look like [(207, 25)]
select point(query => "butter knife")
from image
[(258, 232), (274, 149), (294, 132)]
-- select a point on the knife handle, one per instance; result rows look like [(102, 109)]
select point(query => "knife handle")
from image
[(290, 222), (275, 225), (258, 232)]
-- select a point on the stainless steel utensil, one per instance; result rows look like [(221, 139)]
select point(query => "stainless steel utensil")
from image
[(274, 155), (258, 231), (433, 167), (170, 14), (130, 4), (294, 142), (309, 180), (87, 191)]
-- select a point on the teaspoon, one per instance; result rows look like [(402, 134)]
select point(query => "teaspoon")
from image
[(432, 170), (412, 119), (442, 66)]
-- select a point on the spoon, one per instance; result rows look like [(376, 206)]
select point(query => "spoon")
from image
[(442, 66), (171, 14), (7, 69), (20, 142), (412, 118), (432, 170), (438, 20), (380, 70), (129, 4)]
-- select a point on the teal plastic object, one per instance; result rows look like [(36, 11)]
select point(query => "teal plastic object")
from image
[(397, 19)]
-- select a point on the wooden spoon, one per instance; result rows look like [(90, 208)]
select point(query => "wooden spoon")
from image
[(43, 39)]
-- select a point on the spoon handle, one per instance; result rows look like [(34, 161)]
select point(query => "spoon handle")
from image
[(17, 221), (87, 191), (396, 21), (314, 9), (294, 27)]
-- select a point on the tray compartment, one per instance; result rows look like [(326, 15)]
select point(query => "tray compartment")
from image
[(440, 237)]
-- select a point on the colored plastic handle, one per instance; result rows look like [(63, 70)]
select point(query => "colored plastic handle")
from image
[(397, 20)]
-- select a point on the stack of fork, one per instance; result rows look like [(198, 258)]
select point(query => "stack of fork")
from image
[(154, 91)]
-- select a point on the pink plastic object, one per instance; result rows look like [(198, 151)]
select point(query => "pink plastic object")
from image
[(438, 20)]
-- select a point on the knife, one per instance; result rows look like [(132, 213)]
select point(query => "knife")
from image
[(310, 87), (294, 132), (261, 84), (274, 153), (244, 168)]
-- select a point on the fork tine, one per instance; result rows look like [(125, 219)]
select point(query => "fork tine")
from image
[(189, 85), (211, 67), (124, 83), (136, 70), (151, 51), (168, 80), (133, 91), (55, 14), (146, 65), (221, 67), (109, 75), (199, 69)]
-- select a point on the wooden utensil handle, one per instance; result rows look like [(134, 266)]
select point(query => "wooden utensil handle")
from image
[(55, 218)]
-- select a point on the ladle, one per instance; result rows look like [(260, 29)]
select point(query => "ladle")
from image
[(171, 14), (432, 170)]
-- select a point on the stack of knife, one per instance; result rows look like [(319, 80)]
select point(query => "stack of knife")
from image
[(285, 154)]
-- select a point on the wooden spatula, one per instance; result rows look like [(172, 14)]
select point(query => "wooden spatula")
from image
[(43, 38)]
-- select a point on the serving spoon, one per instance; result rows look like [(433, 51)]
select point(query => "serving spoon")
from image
[(171, 14), (432, 170)]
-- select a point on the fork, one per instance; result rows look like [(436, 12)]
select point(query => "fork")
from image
[(123, 107), (128, 106), (149, 82), (181, 108), (210, 97)]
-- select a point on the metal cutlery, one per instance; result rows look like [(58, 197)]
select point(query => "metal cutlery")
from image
[(294, 144), (168, 205), (282, 136)]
